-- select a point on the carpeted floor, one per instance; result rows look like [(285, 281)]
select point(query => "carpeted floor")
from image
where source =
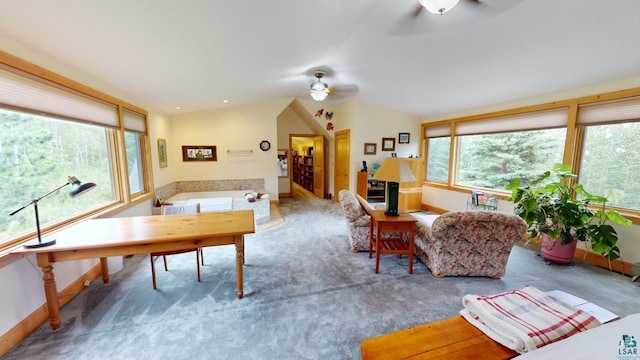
[(306, 297)]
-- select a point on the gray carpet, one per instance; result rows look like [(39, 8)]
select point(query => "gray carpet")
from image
[(306, 297)]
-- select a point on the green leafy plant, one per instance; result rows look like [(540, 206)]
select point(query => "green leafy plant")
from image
[(555, 205)]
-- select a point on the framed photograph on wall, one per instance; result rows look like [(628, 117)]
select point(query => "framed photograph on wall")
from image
[(370, 148), (388, 144), (199, 153), (162, 152), (403, 138)]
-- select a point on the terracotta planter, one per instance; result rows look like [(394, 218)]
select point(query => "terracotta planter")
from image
[(554, 250)]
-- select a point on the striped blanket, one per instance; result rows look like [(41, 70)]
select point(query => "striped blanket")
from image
[(525, 319)]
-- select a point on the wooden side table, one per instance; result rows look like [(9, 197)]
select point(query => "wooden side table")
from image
[(381, 223)]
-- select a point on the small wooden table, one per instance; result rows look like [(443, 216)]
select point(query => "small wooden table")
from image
[(452, 338), (382, 223), (99, 238)]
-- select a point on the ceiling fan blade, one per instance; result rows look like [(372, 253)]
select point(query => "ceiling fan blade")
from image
[(342, 92)]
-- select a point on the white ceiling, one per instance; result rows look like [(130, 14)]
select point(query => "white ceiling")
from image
[(197, 53)]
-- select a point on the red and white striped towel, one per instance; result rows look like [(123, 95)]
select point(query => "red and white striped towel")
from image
[(525, 319)]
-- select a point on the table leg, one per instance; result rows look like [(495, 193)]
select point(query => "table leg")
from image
[(378, 238), (50, 290), (104, 267), (411, 251), (370, 237), (239, 241)]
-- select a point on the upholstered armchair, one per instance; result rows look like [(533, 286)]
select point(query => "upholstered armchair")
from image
[(358, 220), (468, 243)]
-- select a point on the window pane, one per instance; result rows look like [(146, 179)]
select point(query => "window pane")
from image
[(38, 154), (611, 161), (493, 160), (438, 159), (134, 162)]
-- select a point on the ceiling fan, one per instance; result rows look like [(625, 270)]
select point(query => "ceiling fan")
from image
[(319, 90)]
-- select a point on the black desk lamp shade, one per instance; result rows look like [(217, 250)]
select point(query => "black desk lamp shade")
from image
[(77, 189)]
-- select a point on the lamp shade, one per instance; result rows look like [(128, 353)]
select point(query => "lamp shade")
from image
[(394, 169), (78, 188), (438, 6)]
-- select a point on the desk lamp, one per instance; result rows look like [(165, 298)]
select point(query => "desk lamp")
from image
[(77, 189), (394, 171)]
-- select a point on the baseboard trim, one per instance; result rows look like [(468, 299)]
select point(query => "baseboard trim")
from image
[(617, 265), (40, 315)]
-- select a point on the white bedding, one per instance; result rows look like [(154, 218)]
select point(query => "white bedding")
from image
[(615, 340)]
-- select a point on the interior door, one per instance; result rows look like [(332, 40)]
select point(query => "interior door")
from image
[(342, 153), (319, 158)]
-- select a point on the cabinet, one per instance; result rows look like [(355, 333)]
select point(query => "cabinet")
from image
[(410, 193), (371, 190), (303, 171)]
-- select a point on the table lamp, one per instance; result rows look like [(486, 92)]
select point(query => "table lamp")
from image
[(77, 189), (394, 171)]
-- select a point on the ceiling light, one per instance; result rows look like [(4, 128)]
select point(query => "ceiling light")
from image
[(319, 90), (438, 6), (177, 108)]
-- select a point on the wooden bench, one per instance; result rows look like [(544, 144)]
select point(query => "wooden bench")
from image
[(451, 338)]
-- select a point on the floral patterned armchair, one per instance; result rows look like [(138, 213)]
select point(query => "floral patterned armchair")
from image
[(468, 243), (358, 220)]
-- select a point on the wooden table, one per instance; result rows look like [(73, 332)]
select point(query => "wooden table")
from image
[(382, 223), (453, 338), (100, 238)]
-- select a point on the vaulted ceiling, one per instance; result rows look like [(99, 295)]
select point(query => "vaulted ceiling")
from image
[(197, 53)]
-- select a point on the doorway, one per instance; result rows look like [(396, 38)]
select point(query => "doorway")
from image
[(308, 165)]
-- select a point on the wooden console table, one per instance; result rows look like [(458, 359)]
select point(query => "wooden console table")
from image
[(453, 338), (99, 238), (381, 223)]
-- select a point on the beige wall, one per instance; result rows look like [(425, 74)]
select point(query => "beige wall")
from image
[(369, 123), (234, 128)]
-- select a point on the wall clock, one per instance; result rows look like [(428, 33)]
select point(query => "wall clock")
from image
[(265, 145)]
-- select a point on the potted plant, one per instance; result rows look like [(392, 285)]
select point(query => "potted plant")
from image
[(561, 212)]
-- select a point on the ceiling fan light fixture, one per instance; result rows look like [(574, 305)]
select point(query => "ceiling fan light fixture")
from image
[(319, 90), (438, 6)]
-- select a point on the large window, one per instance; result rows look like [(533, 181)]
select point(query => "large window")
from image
[(438, 159), (38, 154), (492, 160), (599, 136), (610, 163), (134, 162), (53, 128)]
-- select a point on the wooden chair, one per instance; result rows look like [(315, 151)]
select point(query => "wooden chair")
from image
[(172, 210)]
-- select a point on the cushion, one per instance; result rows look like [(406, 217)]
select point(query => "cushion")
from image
[(365, 205)]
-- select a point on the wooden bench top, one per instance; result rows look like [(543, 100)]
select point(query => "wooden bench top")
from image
[(451, 338)]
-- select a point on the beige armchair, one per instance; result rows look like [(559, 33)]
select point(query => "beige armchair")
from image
[(356, 210), (468, 243)]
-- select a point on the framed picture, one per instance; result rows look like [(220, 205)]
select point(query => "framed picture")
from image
[(370, 148), (199, 153), (403, 138), (162, 152), (388, 144)]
